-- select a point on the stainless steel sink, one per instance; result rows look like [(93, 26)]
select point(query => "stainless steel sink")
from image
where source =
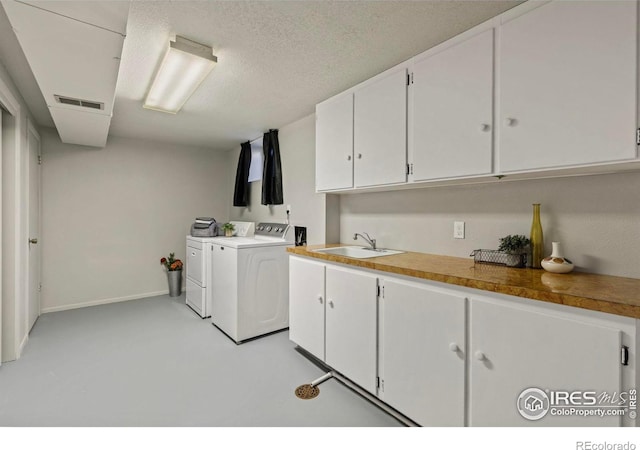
[(358, 252)]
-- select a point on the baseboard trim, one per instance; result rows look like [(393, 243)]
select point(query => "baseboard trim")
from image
[(22, 346), (103, 301)]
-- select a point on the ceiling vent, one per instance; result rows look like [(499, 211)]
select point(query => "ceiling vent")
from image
[(78, 102)]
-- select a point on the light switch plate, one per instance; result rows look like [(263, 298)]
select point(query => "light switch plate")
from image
[(458, 230)]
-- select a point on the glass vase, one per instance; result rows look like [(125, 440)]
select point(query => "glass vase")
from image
[(537, 241)]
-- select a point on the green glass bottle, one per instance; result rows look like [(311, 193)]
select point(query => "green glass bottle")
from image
[(537, 241)]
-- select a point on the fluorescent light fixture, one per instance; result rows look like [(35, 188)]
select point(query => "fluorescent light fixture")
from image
[(184, 67)]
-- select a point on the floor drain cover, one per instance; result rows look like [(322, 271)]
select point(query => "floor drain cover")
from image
[(306, 391)]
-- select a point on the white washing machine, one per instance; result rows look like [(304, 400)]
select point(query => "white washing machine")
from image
[(250, 282)]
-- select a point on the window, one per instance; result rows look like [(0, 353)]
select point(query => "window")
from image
[(257, 161)]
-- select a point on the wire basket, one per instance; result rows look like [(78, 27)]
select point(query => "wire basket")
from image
[(499, 258)]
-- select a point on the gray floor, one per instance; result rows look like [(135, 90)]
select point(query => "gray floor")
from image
[(153, 362)]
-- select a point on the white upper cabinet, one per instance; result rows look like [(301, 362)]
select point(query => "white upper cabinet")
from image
[(567, 85), (547, 87), (453, 110), (334, 144), (380, 131)]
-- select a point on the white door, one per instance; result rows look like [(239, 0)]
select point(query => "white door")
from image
[(380, 131), (567, 85), (351, 325), (307, 305), (33, 309), (423, 366), (512, 349), (334, 144), (452, 111)]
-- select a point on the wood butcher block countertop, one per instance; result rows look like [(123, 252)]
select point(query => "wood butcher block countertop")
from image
[(609, 294)]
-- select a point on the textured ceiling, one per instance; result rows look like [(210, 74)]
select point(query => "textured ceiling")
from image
[(276, 59), (14, 61)]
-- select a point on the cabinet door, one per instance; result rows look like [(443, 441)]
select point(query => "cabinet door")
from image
[(351, 325), (512, 349), (380, 131), (567, 85), (225, 290), (334, 144), (306, 305), (453, 110), (422, 344)]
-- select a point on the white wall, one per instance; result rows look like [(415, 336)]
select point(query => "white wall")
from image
[(109, 215), (597, 218), (13, 297), (297, 154)]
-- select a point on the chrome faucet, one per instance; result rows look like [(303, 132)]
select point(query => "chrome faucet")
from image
[(366, 237)]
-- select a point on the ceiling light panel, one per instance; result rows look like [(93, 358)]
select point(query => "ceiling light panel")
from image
[(184, 67)]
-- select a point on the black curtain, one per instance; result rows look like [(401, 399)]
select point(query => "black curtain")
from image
[(241, 192), (272, 173)]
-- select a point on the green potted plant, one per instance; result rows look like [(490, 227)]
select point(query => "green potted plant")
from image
[(514, 246), (228, 229), (174, 274)]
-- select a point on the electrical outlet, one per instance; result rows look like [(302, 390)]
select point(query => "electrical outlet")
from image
[(458, 230)]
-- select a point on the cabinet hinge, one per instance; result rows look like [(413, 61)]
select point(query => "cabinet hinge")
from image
[(409, 78), (39, 160), (638, 136), (380, 384), (378, 290), (39, 287), (410, 169), (624, 355)]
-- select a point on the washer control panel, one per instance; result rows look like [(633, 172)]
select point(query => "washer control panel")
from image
[(276, 230)]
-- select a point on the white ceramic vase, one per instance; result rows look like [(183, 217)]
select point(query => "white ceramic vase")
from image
[(557, 263)]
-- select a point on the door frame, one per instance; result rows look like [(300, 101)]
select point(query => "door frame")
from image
[(11, 104)]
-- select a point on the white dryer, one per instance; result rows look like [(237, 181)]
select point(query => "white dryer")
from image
[(250, 282), (198, 271)]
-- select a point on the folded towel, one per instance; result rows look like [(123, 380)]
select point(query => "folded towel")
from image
[(201, 226)]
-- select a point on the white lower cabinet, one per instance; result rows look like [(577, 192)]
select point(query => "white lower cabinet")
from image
[(351, 325), (422, 352), (453, 356), (514, 348), (341, 331), (306, 305)]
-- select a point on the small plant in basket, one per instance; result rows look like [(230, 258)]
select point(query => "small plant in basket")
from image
[(515, 246), (228, 229), (171, 263)]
